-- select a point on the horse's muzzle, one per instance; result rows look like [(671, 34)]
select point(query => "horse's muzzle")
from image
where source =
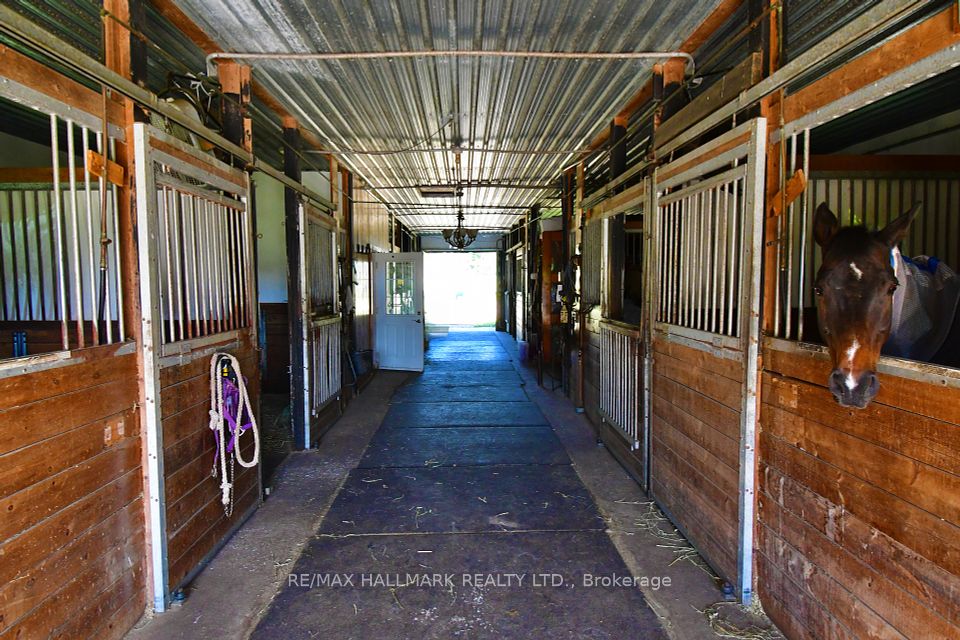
[(854, 393)]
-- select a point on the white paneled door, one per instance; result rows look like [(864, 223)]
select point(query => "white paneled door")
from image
[(398, 302)]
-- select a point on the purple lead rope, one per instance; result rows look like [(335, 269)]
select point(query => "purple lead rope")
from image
[(231, 398)]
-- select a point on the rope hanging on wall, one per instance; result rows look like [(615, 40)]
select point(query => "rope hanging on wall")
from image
[(229, 406)]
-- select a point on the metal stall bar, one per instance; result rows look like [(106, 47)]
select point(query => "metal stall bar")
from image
[(751, 256), (77, 283), (151, 326), (58, 229), (620, 346)]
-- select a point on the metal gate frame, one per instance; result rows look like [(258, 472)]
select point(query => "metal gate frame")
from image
[(748, 139), (210, 171), (313, 321)]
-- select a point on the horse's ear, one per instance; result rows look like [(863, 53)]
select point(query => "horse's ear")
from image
[(825, 225), (894, 232)]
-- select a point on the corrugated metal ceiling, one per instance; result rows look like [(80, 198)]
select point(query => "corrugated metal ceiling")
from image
[(497, 104)]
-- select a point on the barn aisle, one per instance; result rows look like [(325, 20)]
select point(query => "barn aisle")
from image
[(464, 518)]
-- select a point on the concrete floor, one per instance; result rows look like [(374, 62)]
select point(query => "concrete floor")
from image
[(488, 491)]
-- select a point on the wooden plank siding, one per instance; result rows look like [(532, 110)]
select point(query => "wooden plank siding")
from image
[(694, 447), (859, 510), (72, 535), (196, 524)]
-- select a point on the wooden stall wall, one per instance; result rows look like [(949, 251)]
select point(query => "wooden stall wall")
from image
[(859, 510), (695, 444), (858, 531), (72, 531), (196, 523)]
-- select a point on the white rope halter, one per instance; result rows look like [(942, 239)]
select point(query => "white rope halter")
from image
[(219, 427)]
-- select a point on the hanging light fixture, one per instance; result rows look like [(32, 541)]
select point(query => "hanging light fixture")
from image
[(460, 238)]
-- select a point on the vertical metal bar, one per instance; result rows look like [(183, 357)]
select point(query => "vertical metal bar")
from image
[(195, 252), (663, 280), (41, 277), (732, 261), (723, 196), (713, 234), (235, 264), (117, 278), (28, 300), (108, 298), (230, 219), (227, 274), (241, 266), (58, 230), (151, 341), (216, 318), (167, 265), (250, 298), (684, 254), (695, 247), (189, 259), (227, 270), (176, 199), (753, 216), (674, 244), (75, 228), (220, 271), (691, 235), (702, 241), (203, 250), (702, 270), (658, 298), (804, 209), (12, 232), (663, 241), (789, 239), (90, 249), (3, 270), (223, 278)]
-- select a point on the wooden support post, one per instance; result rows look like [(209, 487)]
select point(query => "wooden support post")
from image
[(237, 123), (126, 55), (771, 107), (335, 188), (616, 233), (291, 207), (568, 188), (501, 324)]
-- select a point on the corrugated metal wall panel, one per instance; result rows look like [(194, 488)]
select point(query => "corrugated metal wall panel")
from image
[(77, 22)]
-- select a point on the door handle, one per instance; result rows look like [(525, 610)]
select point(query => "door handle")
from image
[(418, 322)]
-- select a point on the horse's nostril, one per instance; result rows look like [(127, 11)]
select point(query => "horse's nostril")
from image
[(837, 381), (870, 385)]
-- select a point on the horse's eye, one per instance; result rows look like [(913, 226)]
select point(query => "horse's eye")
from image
[(892, 289), (818, 291)]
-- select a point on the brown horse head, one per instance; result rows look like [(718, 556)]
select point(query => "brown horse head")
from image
[(854, 292)]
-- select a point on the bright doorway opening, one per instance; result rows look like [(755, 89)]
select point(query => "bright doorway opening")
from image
[(460, 289)]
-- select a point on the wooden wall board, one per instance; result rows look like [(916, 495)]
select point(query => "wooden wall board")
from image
[(859, 509), (695, 447), (901, 392), (71, 493), (195, 518), (924, 39)]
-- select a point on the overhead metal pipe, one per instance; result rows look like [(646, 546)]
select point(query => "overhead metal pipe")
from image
[(448, 53), (509, 152)]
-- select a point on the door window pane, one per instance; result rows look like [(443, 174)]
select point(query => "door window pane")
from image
[(400, 289)]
